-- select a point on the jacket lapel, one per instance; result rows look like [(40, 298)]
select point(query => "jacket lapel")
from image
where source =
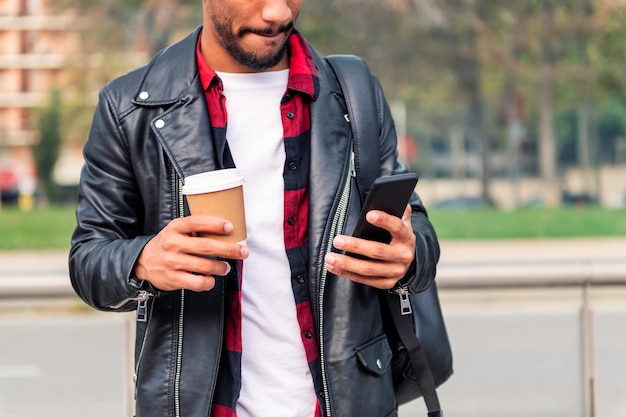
[(185, 133), (183, 128)]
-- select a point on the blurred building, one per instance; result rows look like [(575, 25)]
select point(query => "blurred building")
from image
[(33, 46), (613, 4)]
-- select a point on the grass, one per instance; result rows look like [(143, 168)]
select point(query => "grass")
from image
[(529, 223), (52, 228), (40, 229)]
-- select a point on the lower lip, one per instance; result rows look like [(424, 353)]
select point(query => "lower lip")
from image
[(274, 38)]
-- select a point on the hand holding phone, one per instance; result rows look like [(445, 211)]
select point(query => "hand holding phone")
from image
[(390, 194)]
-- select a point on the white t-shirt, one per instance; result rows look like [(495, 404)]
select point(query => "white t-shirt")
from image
[(276, 380)]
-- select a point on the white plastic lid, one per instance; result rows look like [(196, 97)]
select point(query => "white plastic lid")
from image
[(211, 181)]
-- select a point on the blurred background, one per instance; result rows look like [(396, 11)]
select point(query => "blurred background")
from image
[(513, 113)]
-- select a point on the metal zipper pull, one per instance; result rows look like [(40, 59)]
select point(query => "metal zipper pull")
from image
[(142, 306), (352, 164), (405, 302), (135, 384)]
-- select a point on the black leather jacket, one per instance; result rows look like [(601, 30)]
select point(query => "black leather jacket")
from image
[(150, 129)]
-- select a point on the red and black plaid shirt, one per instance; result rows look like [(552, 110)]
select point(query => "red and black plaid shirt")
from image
[(302, 87)]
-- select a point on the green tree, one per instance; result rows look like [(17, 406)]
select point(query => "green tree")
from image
[(46, 152), (113, 37), (124, 25), (461, 67)]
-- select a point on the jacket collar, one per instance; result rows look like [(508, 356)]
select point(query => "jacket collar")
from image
[(172, 80), (152, 91), (170, 84), (158, 87)]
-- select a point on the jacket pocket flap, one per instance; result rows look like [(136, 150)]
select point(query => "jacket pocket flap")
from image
[(375, 355)]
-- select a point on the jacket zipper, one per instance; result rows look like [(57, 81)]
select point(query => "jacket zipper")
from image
[(336, 228), (403, 294), (179, 350), (141, 297), (143, 314)]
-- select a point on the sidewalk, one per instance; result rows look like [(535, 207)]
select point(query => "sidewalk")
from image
[(34, 273), (25, 262), (574, 249), (536, 262)]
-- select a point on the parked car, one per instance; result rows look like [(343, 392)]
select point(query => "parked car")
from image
[(9, 186)]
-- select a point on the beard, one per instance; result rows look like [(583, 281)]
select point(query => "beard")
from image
[(249, 59)]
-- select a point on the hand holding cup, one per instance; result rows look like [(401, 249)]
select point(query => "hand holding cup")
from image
[(176, 258)]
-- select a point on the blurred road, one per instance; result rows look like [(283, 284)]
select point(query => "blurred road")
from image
[(574, 249), (63, 365), (519, 350)]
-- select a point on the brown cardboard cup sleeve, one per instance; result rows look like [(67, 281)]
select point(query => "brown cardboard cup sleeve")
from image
[(220, 194)]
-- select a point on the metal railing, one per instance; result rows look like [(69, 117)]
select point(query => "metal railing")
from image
[(55, 283), (533, 274), (457, 277)]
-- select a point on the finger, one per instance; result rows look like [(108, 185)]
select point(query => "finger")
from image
[(377, 282), (201, 224), (406, 216), (184, 271), (368, 248), (376, 273), (381, 283), (193, 282), (204, 266), (393, 224), (207, 246), (384, 220)]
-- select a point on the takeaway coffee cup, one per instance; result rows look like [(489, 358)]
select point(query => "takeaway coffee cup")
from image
[(220, 194)]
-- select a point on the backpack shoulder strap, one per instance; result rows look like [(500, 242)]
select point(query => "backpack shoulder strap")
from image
[(357, 83)]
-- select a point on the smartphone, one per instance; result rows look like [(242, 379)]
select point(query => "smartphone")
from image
[(390, 194)]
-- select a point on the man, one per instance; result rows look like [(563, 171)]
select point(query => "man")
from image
[(282, 326)]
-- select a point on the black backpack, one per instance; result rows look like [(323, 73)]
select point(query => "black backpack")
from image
[(422, 355)]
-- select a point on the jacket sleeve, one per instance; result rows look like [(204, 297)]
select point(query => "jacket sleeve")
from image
[(108, 235), (423, 270)]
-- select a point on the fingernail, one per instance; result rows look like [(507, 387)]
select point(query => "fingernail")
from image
[(244, 252), (228, 268), (339, 242), (228, 227), (330, 259)]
